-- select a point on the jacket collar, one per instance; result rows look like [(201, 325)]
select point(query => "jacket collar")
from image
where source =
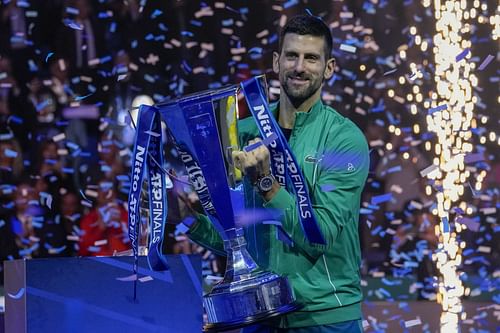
[(301, 118)]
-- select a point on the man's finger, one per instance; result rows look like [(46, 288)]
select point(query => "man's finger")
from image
[(257, 142)]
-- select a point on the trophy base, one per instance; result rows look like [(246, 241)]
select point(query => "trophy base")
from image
[(248, 301)]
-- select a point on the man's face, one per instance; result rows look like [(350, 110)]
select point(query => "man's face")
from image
[(302, 66)]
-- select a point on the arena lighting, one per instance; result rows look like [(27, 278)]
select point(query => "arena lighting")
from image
[(452, 125)]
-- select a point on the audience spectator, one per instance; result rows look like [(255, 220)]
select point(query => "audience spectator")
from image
[(104, 228), (71, 214)]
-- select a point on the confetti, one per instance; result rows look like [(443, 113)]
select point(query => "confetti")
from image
[(348, 48), (10, 153), (101, 242), (129, 278), (50, 54), (472, 158), (427, 171), (414, 322), (486, 62), (214, 278), (462, 54), (153, 133), (441, 107), (80, 98), (266, 142), (17, 295), (46, 198), (72, 24), (146, 278), (390, 72), (488, 210), (73, 238), (327, 188), (381, 198), (57, 250)]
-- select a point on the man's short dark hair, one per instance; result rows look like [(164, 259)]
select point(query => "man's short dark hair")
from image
[(308, 25)]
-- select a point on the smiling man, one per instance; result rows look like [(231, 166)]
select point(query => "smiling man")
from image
[(332, 154)]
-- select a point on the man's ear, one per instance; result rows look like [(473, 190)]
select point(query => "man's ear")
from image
[(330, 68), (276, 62)]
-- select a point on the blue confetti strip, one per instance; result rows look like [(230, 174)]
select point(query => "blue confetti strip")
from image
[(381, 198), (462, 55), (50, 54), (446, 225), (438, 108), (486, 62)]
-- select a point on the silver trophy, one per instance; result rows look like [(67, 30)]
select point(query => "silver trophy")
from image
[(204, 128)]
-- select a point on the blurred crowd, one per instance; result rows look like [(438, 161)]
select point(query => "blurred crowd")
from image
[(72, 73)]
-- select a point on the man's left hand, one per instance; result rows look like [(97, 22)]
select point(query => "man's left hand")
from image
[(255, 163)]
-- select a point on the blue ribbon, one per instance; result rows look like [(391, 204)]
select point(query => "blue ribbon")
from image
[(279, 149), (148, 155), (158, 204)]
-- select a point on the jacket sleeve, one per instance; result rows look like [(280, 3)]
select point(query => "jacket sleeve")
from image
[(204, 233), (335, 195)]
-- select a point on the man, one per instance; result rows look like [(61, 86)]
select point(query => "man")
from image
[(333, 156)]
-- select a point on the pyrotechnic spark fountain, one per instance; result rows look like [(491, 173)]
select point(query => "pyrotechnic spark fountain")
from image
[(452, 126), (451, 118)]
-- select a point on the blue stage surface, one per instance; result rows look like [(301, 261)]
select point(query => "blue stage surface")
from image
[(95, 295)]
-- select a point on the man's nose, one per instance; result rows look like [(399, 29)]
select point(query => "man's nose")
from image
[(299, 64)]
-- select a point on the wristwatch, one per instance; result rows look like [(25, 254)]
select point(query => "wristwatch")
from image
[(265, 183)]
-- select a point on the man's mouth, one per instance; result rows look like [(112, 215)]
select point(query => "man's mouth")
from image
[(297, 80)]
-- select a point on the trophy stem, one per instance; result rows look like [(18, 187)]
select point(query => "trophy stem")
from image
[(240, 264), (246, 294)]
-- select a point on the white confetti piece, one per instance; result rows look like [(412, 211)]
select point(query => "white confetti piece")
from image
[(348, 48), (146, 278), (390, 231), (153, 133), (484, 249), (416, 204), (132, 277), (175, 42), (101, 242), (59, 137), (345, 15), (214, 278), (428, 170), (414, 322), (91, 193), (121, 77), (238, 50), (488, 210), (396, 188)]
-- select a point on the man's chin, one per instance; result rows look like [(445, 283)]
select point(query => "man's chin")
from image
[(298, 95)]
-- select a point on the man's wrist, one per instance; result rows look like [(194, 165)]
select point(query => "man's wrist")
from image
[(269, 195)]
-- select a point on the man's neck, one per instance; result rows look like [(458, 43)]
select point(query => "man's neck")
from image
[(287, 110)]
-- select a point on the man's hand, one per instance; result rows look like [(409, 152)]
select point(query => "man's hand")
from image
[(255, 164)]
